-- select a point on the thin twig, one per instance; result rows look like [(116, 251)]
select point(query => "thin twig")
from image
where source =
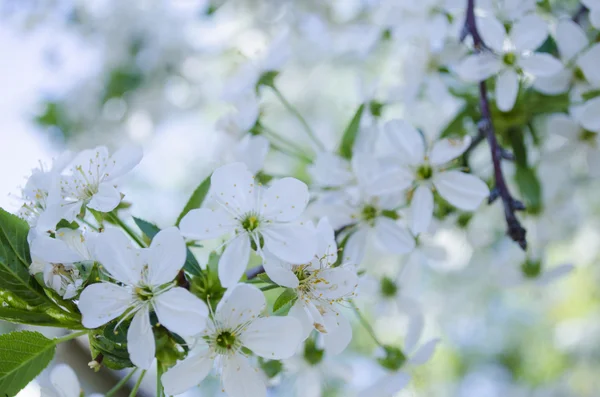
[(486, 126)]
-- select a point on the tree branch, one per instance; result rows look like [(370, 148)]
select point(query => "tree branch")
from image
[(486, 128)]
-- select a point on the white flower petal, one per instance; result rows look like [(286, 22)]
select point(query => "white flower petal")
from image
[(274, 337), (102, 302), (252, 151), (595, 18), (540, 64), (478, 67), (181, 312), (529, 33), (206, 224), (140, 339), (421, 210), (424, 353), (125, 160), (387, 386), (588, 63), (166, 256), (464, 191), (240, 304), (448, 149), (279, 271), (563, 125), (326, 245), (301, 313), (354, 251), (187, 373), (65, 381), (337, 338), (116, 254), (240, 379), (339, 282), (106, 199), (406, 140), (393, 237), (330, 170), (492, 32), (590, 115), (285, 200), (554, 85), (293, 243), (233, 187), (234, 260), (507, 88), (557, 273), (570, 38), (53, 250)]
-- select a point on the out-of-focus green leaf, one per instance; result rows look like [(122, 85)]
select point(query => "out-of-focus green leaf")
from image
[(350, 134)]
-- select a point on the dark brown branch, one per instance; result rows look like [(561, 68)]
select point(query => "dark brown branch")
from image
[(486, 128)]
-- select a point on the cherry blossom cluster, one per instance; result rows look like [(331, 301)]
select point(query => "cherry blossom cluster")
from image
[(498, 103)]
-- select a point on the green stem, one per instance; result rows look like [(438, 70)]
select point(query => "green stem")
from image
[(301, 119), (69, 337), (121, 383), (127, 229), (279, 143), (365, 323), (269, 287), (137, 384), (159, 386)]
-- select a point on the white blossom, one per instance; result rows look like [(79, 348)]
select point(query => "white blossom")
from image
[(90, 181), (321, 289), (236, 324), (513, 54), (428, 165), (146, 278), (61, 259), (255, 215)]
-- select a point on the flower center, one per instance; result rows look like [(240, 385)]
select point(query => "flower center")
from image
[(388, 287), (144, 293), (578, 74), (250, 223), (587, 136), (226, 341), (424, 172), (369, 213), (509, 59), (531, 269)]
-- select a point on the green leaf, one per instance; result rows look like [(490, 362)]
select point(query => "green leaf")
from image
[(15, 261), (115, 353), (271, 368), (23, 355), (267, 79), (149, 229), (517, 141), (590, 95), (350, 134), (196, 199), (191, 264), (284, 302), (16, 310), (530, 188)]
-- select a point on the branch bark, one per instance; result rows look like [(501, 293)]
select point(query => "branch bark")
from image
[(515, 230)]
